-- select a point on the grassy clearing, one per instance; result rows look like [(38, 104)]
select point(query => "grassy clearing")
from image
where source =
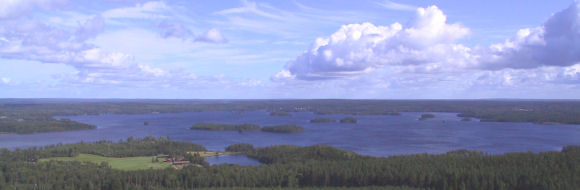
[(127, 163)]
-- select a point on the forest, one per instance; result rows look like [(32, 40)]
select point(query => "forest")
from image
[(283, 129), (292, 167), (348, 120), (32, 115), (426, 116)]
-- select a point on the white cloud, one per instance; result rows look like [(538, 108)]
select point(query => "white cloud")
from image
[(17, 8), (424, 59), (269, 20), (396, 6), (148, 10), (5, 80), (211, 36), (360, 48), (35, 41), (282, 76), (32, 40), (249, 7), (426, 51), (555, 43)]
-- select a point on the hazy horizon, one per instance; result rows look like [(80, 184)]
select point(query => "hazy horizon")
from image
[(285, 50)]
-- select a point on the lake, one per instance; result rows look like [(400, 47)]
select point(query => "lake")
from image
[(374, 135)]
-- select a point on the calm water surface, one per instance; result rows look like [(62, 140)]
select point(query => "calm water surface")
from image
[(372, 135), (232, 159)]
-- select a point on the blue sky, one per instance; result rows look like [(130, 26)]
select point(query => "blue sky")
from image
[(289, 49)]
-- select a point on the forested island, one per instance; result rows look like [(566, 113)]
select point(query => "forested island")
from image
[(283, 129), (40, 125), (348, 120), (426, 116), (286, 166), (38, 115), (225, 127), (322, 120)]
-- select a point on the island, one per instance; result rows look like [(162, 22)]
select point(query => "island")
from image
[(225, 127), (348, 120), (466, 119), (40, 125), (426, 116), (322, 120), (283, 129), (24, 116)]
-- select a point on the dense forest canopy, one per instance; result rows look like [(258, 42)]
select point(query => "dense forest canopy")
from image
[(426, 116), (291, 166), (348, 120), (283, 129), (31, 115)]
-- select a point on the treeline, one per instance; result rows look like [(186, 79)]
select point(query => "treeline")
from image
[(313, 166), (348, 120), (39, 125), (283, 129), (539, 116), (29, 110), (225, 127), (426, 116), (147, 146), (247, 127)]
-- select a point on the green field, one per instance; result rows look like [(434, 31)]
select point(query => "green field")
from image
[(127, 163)]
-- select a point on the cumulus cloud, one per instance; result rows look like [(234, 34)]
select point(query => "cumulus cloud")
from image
[(360, 48), (211, 36), (24, 39), (555, 43), (32, 40), (427, 48), (282, 76), (35, 41)]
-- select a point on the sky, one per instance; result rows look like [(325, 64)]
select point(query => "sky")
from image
[(375, 49)]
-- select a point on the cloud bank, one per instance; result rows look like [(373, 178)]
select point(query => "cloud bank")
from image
[(426, 51), (359, 48), (555, 43)]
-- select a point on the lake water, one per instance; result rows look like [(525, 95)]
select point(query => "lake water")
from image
[(232, 159), (375, 135)]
